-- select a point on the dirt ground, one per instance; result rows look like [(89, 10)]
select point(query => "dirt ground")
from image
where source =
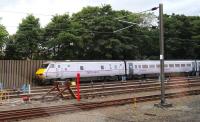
[(185, 109)]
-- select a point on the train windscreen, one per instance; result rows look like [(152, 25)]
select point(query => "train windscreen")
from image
[(44, 65)]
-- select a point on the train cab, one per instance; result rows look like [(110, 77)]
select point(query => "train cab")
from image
[(41, 72)]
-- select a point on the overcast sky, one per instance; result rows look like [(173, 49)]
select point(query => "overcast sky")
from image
[(12, 11)]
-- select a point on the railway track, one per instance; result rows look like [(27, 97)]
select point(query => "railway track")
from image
[(98, 89), (106, 90), (52, 110)]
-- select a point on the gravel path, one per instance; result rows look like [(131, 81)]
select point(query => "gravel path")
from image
[(184, 109)]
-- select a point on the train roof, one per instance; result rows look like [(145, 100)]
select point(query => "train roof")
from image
[(51, 61), (121, 60), (158, 60)]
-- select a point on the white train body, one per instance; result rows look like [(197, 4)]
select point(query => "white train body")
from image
[(69, 69), (64, 70), (153, 67)]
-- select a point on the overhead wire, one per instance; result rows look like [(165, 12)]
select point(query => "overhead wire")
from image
[(20, 12), (78, 30), (132, 14)]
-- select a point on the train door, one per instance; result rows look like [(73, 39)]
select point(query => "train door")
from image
[(194, 68), (130, 67), (199, 66), (111, 70), (51, 71), (58, 71), (198, 69), (121, 69)]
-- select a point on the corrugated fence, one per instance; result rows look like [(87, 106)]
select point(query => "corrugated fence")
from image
[(14, 73)]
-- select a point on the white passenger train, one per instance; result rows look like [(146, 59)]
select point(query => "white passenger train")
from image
[(68, 69)]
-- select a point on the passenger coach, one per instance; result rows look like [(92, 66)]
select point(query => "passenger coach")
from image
[(153, 67)]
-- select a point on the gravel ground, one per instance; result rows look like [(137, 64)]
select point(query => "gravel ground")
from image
[(19, 104), (184, 109)]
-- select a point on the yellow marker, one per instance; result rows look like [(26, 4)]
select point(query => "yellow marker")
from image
[(1, 95), (73, 83), (4, 95), (134, 102)]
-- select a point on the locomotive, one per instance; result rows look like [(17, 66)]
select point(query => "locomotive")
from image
[(59, 70)]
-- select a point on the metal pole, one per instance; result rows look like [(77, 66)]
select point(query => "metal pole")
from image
[(78, 86), (162, 75)]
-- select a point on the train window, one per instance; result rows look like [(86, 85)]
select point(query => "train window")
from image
[(151, 66), (177, 65), (188, 65), (81, 68), (158, 65), (68, 65), (182, 65), (58, 66), (44, 65), (102, 67), (115, 66), (110, 66), (166, 65), (136, 66), (171, 65), (51, 66), (144, 66), (139, 66)]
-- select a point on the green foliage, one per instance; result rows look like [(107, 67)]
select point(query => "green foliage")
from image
[(59, 37), (28, 38), (3, 39), (182, 36), (91, 34), (11, 49)]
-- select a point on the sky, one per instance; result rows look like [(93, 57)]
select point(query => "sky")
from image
[(13, 11)]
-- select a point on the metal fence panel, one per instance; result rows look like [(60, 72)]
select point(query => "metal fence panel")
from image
[(14, 73)]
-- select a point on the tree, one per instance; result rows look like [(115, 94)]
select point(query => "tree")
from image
[(181, 36), (99, 41), (60, 41), (3, 39), (195, 22), (11, 49), (28, 38), (91, 34)]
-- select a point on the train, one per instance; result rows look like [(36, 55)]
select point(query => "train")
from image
[(63, 70)]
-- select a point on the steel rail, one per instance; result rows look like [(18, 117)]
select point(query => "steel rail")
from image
[(48, 111)]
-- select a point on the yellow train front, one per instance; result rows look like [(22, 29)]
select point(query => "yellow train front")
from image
[(41, 72)]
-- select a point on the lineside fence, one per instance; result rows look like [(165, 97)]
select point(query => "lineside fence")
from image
[(15, 73)]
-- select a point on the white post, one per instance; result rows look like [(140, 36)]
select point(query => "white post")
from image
[(29, 88)]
